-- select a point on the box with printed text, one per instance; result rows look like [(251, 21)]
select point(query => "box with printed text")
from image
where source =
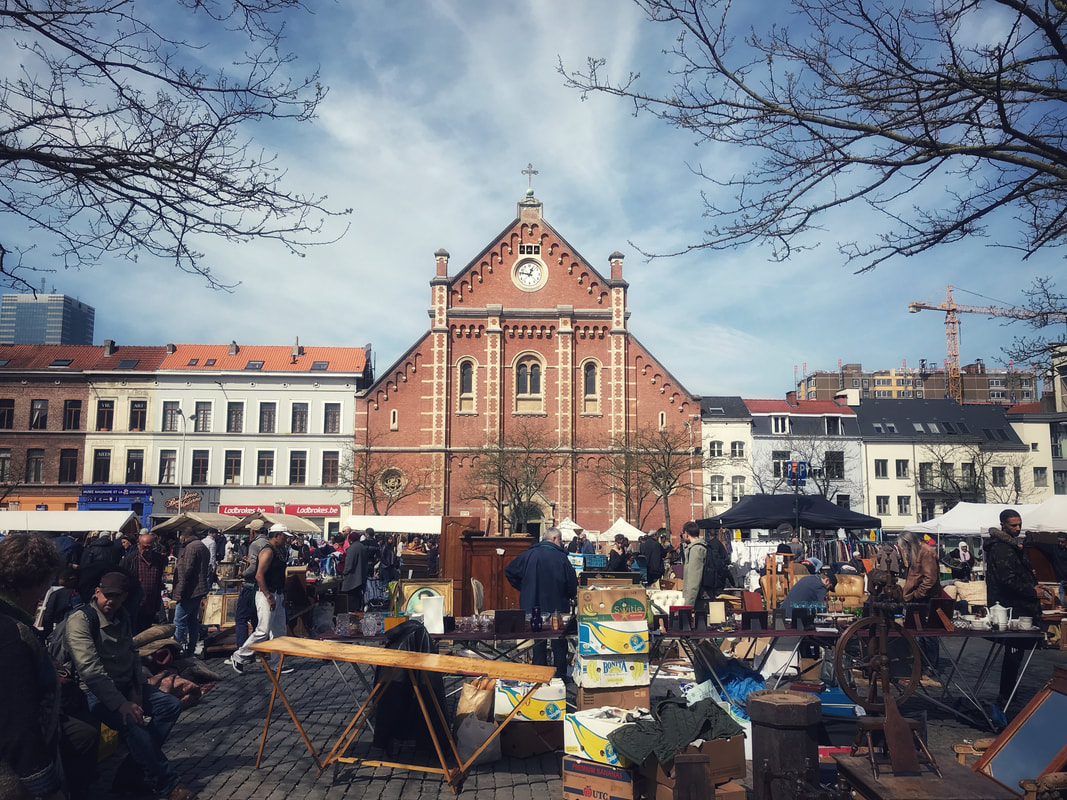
[(612, 638)]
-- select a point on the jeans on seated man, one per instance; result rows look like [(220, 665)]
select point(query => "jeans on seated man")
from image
[(109, 670)]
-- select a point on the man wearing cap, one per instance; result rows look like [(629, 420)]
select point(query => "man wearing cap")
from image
[(245, 612), (109, 671), (270, 602), (192, 582)]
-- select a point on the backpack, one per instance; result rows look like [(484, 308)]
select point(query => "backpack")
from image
[(57, 646), (714, 578)]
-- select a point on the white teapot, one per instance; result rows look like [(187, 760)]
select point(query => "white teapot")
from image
[(999, 615)]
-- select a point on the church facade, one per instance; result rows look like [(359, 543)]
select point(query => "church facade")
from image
[(529, 350)]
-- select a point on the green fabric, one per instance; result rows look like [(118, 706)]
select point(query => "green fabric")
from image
[(674, 726)]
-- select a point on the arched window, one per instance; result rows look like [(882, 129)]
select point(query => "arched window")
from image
[(590, 390), (663, 420), (394, 420), (466, 386), (528, 395)]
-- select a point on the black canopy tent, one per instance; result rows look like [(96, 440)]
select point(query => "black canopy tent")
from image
[(772, 510)]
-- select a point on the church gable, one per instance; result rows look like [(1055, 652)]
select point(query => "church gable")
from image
[(529, 265)]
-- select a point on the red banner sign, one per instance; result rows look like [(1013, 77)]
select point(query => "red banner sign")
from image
[(243, 511), (313, 510)]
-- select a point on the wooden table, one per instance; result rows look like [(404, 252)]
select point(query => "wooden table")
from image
[(958, 783), (414, 665)]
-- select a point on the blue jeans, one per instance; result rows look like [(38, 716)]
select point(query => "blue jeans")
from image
[(145, 742), (187, 624), (244, 613)]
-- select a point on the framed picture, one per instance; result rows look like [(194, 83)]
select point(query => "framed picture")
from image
[(412, 591), (218, 609)]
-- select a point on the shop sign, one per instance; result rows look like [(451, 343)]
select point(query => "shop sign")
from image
[(311, 510), (244, 511), (190, 502), (104, 492)]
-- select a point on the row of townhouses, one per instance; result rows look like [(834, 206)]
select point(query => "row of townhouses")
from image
[(529, 349)]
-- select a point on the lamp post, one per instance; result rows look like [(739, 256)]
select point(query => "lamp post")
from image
[(689, 425), (181, 460)]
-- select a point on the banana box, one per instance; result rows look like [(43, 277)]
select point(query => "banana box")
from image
[(612, 638), (585, 734), (547, 704), (618, 604), (611, 672)]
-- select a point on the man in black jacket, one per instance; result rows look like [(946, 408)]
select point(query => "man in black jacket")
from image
[(1010, 581)]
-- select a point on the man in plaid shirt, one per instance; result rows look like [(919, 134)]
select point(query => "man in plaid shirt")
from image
[(147, 563)]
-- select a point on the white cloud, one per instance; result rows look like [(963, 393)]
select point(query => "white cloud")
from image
[(434, 108)]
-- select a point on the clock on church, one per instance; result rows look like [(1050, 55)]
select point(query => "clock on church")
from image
[(529, 275)]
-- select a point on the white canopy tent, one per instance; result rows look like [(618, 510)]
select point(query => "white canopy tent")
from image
[(421, 525), (74, 521), (971, 519), (625, 528), (569, 528), (1048, 517)]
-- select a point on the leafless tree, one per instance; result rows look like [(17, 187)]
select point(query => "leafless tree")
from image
[(937, 116), (12, 472), (645, 467), (119, 137), (828, 474), (510, 473), (376, 478), (952, 472), (1049, 309)]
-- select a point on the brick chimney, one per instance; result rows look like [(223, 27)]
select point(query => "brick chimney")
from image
[(791, 399), (615, 259), (109, 347), (442, 262)]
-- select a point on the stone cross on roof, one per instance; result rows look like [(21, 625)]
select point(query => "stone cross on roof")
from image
[(530, 172)]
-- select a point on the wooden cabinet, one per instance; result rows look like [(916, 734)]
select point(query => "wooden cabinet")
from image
[(482, 557)]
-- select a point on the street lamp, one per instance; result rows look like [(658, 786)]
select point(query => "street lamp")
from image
[(689, 425), (181, 459)]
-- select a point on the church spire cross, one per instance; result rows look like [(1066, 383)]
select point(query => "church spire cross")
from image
[(529, 172)]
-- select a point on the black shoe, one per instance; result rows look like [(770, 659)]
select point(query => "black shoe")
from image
[(238, 665)]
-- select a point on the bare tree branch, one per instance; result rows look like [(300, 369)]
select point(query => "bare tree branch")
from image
[(114, 139), (939, 117)]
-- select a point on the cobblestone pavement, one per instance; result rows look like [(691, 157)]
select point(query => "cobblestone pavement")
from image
[(214, 743)]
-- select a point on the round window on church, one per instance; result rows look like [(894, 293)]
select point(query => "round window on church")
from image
[(392, 481)]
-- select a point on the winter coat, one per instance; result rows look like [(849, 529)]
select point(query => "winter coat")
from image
[(544, 578), (653, 553), (923, 579), (1009, 578), (29, 714), (102, 550), (356, 567), (192, 572)]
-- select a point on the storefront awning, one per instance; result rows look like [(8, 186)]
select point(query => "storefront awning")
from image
[(74, 521), (291, 522)]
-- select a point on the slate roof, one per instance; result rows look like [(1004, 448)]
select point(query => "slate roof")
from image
[(936, 420)]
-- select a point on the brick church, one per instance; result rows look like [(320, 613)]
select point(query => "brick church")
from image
[(527, 342)]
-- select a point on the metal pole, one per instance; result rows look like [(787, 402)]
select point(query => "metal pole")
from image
[(181, 459)]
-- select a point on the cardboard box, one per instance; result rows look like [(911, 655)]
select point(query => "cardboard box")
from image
[(585, 779), (547, 703), (633, 697), (725, 760), (612, 638), (621, 604), (526, 739), (611, 672), (730, 791), (585, 734)]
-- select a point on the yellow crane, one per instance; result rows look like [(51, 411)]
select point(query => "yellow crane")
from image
[(952, 330)]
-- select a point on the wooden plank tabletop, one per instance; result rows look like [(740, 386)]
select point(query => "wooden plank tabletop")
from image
[(381, 657), (958, 783)]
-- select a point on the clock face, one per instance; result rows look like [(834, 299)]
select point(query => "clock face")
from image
[(529, 275)]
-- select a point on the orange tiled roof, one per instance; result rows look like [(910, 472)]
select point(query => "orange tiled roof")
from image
[(145, 359), (40, 356), (1025, 408), (802, 407), (275, 358)]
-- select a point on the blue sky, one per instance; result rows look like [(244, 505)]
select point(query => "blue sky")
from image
[(436, 107)]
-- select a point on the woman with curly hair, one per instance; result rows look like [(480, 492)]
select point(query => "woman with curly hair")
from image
[(32, 742)]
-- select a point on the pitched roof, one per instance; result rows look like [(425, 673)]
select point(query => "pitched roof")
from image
[(43, 356), (270, 358), (801, 407), (1025, 408), (141, 359)]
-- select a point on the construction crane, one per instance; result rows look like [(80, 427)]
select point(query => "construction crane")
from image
[(952, 310)]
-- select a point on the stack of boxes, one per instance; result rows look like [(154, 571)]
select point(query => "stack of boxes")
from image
[(538, 726), (613, 676), (611, 670)]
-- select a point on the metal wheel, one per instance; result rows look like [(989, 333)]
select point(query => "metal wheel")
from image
[(882, 658)]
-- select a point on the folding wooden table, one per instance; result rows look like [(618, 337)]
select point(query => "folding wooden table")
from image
[(414, 665)]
